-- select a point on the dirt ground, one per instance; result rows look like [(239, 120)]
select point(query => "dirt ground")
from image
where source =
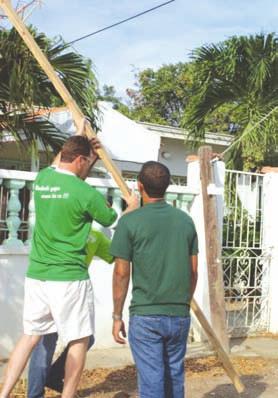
[(205, 379)]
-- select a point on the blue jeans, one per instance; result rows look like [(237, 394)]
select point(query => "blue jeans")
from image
[(41, 372), (158, 345)]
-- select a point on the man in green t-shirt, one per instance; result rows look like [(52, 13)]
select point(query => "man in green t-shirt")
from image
[(161, 243), (58, 291)]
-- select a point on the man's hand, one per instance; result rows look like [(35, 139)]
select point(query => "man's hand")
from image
[(132, 202), (121, 277), (95, 145), (82, 127), (119, 327)]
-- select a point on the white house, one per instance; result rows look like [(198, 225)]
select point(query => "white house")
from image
[(129, 144)]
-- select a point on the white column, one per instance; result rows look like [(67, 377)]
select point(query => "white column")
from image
[(270, 245), (32, 216), (14, 206), (196, 212), (219, 181), (35, 158)]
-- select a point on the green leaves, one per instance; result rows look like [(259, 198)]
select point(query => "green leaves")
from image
[(24, 87), (162, 95), (238, 77)]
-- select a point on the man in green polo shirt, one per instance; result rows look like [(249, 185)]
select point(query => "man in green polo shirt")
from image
[(161, 243), (58, 292)]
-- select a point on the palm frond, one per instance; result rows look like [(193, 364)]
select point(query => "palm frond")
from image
[(240, 72), (24, 86)]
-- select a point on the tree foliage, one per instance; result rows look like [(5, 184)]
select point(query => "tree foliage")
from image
[(108, 93), (161, 96), (24, 87), (241, 75)]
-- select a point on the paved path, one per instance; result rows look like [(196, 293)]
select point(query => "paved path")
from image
[(220, 387)]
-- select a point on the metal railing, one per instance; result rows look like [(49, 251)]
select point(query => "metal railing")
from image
[(245, 266)]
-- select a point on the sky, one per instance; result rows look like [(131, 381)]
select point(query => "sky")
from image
[(167, 35)]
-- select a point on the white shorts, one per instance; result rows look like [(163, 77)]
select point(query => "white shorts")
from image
[(63, 307)]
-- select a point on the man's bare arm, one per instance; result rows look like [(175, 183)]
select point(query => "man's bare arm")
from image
[(121, 278), (269, 169), (194, 273)]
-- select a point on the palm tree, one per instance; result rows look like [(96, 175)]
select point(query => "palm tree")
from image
[(239, 75), (24, 87)]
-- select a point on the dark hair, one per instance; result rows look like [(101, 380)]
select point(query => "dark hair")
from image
[(155, 178), (75, 146)]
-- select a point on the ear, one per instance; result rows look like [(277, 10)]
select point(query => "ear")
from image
[(77, 163), (140, 187)]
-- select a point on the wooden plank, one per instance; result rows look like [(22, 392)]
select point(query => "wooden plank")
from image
[(213, 250), (222, 355), (61, 89)]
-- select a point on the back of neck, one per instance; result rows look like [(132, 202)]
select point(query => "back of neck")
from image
[(147, 200)]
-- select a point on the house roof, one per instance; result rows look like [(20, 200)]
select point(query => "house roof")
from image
[(181, 134), (60, 115)]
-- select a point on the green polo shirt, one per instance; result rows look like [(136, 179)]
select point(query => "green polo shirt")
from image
[(159, 240), (98, 245), (65, 207)]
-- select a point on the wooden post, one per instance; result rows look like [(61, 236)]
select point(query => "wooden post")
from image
[(213, 250), (78, 117), (222, 355)]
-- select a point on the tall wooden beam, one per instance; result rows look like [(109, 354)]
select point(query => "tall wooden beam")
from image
[(213, 250)]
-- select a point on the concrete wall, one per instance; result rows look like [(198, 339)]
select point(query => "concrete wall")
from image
[(12, 273), (196, 212), (270, 246), (177, 150)]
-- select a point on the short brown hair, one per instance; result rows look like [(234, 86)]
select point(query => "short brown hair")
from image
[(155, 178), (75, 146)]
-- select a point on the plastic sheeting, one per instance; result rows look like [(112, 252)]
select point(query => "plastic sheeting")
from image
[(123, 138)]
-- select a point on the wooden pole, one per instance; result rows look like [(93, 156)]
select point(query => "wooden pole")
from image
[(213, 250), (61, 89), (222, 355), (78, 117)]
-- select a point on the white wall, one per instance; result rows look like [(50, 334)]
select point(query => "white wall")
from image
[(178, 152), (101, 277), (270, 245), (12, 272), (196, 211)]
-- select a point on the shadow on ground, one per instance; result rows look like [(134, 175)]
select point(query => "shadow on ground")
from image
[(120, 379), (254, 387)]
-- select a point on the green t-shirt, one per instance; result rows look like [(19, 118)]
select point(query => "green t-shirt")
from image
[(158, 239), (65, 207), (98, 245)]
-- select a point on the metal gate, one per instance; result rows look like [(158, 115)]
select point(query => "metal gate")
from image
[(246, 269)]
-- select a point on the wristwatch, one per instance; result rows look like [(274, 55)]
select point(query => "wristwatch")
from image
[(117, 317)]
